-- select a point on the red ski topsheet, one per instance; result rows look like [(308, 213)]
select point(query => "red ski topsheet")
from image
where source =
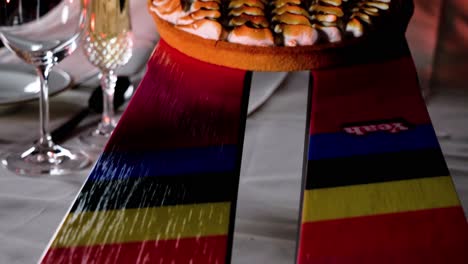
[(165, 188), (377, 189)]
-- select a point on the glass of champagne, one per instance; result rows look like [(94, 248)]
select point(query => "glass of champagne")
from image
[(42, 33), (107, 43)]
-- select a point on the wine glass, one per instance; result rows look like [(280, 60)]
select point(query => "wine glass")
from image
[(42, 33), (107, 43)]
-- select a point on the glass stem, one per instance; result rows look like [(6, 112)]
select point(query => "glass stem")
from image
[(45, 139), (108, 82)]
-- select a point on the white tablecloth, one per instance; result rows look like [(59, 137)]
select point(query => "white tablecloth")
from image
[(266, 225)]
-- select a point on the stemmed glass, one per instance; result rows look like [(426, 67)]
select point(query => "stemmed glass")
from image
[(42, 33), (108, 44)]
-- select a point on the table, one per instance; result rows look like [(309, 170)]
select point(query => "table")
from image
[(266, 225)]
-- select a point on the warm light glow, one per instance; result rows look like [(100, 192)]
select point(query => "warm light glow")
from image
[(93, 22)]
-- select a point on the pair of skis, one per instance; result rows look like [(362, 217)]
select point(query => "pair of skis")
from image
[(376, 187)]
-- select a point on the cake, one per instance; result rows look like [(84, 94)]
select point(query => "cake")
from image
[(276, 34)]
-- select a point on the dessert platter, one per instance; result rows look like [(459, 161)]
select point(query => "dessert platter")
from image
[(375, 188)]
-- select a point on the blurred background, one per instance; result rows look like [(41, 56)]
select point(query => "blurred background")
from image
[(438, 38)]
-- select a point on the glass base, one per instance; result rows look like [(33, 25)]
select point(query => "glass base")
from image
[(98, 138), (46, 160)]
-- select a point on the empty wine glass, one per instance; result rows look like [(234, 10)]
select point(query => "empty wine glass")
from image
[(42, 33), (107, 43)]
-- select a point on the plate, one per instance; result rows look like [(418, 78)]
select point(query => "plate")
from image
[(264, 84), (19, 83)]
